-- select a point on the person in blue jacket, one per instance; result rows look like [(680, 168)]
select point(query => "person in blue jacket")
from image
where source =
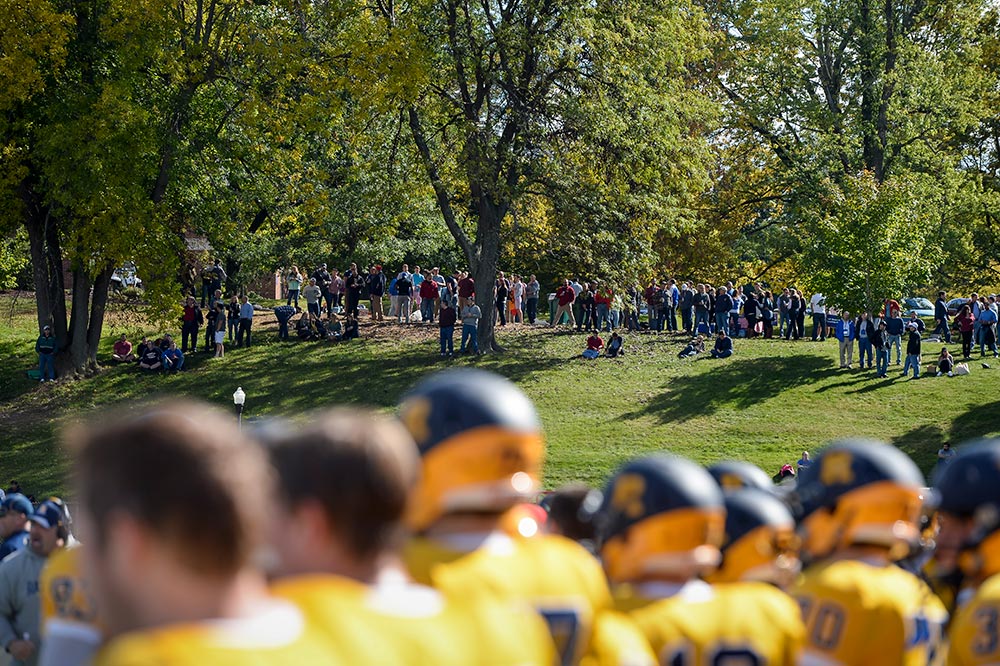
[(14, 512), (846, 334)]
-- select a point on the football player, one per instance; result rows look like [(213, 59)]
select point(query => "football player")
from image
[(969, 511), (858, 507), (173, 502), (760, 542), (661, 526), (70, 626), (345, 483), (481, 449)]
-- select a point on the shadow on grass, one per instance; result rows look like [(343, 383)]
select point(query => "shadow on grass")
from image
[(739, 384), (922, 442)]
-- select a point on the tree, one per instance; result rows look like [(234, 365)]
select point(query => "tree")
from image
[(870, 240), (580, 103)]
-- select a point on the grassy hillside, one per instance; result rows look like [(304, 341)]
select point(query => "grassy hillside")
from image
[(766, 404)]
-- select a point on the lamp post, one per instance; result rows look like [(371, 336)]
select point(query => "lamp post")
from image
[(239, 398)]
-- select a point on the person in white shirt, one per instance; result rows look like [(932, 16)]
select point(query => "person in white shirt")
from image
[(818, 305)]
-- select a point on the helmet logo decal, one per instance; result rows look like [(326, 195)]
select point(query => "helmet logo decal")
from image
[(628, 492), (836, 468), (731, 482), (414, 414)]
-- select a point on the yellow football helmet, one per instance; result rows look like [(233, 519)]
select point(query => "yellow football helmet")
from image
[(660, 515), (858, 492), (480, 444), (760, 542)]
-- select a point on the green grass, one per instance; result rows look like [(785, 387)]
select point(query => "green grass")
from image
[(766, 404)]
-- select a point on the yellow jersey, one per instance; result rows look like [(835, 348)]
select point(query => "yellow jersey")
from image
[(697, 623), (70, 626), (556, 576), (974, 637), (860, 613), (277, 635), (402, 624)]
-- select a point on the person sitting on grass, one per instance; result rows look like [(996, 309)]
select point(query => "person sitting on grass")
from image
[(946, 363), (350, 328), (173, 358), (594, 346), (304, 327), (695, 347), (122, 352), (616, 346), (723, 345), (151, 359)]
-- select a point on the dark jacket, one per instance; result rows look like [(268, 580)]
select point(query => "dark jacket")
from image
[(879, 339), (723, 303), (894, 326), (447, 317), (913, 344), (376, 284), (45, 345), (723, 344), (941, 309), (869, 327)]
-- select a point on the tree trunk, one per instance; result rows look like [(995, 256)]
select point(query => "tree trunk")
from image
[(98, 306), (74, 356), (46, 259), (485, 269)]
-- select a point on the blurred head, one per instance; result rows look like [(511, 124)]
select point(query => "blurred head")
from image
[(662, 517), (760, 542), (858, 493), (345, 481), (969, 511), (570, 512), (14, 512), (480, 444), (171, 498), (49, 528)]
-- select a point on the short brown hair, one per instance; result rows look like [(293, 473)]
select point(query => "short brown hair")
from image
[(360, 466), (186, 473)]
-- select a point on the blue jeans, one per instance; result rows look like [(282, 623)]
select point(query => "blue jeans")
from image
[(447, 339), (944, 330), (602, 317), (723, 354), (895, 340), (47, 366), (722, 322), (671, 313), (700, 316), (427, 309), (686, 319), (881, 361), (864, 349), (912, 361), (470, 333), (819, 326), (532, 310), (293, 294), (616, 318)]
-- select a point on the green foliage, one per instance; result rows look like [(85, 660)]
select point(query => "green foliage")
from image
[(13, 259), (870, 240)]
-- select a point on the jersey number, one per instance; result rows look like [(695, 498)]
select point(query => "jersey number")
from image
[(727, 656), (825, 625), (985, 641)]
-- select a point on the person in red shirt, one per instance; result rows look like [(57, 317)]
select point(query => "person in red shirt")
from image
[(123, 350), (191, 320), (594, 346), (602, 301), (466, 289), (564, 303), (428, 295)]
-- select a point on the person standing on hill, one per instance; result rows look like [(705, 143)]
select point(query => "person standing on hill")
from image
[(45, 347), (220, 329), (941, 317), (376, 290), (294, 281), (312, 293), (564, 304), (818, 305), (531, 291), (846, 334), (190, 321), (794, 306), (466, 290), (354, 284), (894, 328), (912, 351), (471, 314)]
